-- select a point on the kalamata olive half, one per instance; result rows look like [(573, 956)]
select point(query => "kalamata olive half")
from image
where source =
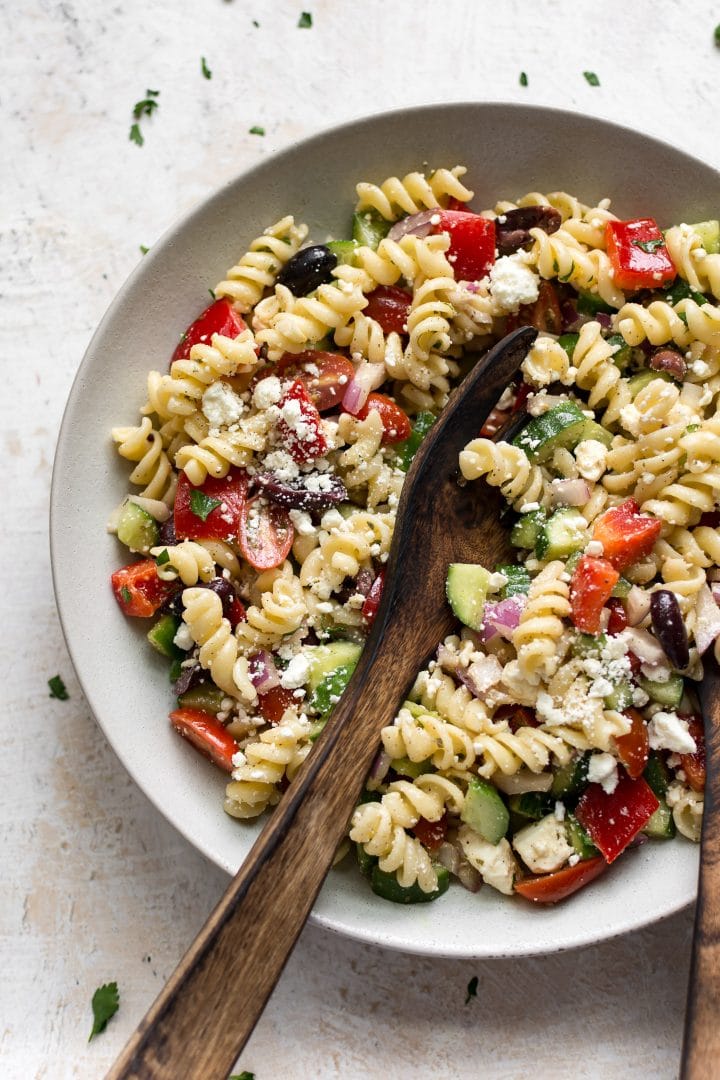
[(512, 229), (310, 491), (224, 590), (190, 676), (167, 533), (309, 268), (671, 361), (669, 627)]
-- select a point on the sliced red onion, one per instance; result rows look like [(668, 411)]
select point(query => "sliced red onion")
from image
[(604, 319), (469, 877), (502, 617), (523, 780), (707, 627), (569, 492), (481, 675), (419, 225), (647, 648), (364, 582), (262, 672), (571, 318), (367, 377), (637, 605), (449, 857), (380, 766)]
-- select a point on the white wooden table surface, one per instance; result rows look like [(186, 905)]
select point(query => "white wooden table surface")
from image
[(94, 884)]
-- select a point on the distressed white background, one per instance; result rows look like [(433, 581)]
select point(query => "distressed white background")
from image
[(93, 884)]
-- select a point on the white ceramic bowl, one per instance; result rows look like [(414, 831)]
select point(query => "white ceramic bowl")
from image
[(509, 150)]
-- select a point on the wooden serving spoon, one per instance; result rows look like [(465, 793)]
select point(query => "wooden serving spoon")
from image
[(701, 1046), (206, 1012)]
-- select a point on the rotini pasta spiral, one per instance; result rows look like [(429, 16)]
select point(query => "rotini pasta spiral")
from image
[(504, 466), (687, 810), (559, 255), (218, 647), (344, 551), (153, 471), (180, 393), (528, 747), (413, 193), (257, 269), (428, 321), (412, 257), (188, 560), (280, 612), (439, 693), (657, 323), (425, 736), (537, 637), (362, 465), (693, 264), (286, 323), (215, 453), (279, 752)]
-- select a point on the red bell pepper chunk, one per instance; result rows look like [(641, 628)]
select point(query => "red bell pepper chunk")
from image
[(273, 704), (612, 820), (219, 318), (633, 748), (693, 765), (431, 834), (207, 735), (396, 423), (626, 535), (389, 306), (544, 314), (138, 589), (590, 586), (472, 243), (373, 598), (457, 204), (638, 254), (299, 425), (211, 511), (549, 888)]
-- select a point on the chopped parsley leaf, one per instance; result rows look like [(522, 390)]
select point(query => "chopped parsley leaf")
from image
[(135, 135), (125, 594), (716, 35), (305, 20), (591, 78), (163, 557), (57, 688), (212, 293), (255, 22), (147, 106), (471, 989), (144, 250), (256, 130), (523, 79), (691, 428), (105, 1003), (648, 246), (201, 504), (204, 68)]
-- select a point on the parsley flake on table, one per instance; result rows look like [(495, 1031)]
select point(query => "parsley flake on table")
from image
[(256, 130), (255, 22), (305, 20), (57, 688), (716, 35), (135, 135), (245, 1075), (145, 107), (144, 250), (105, 1003), (523, 79), (471, 989), (591, 78), (212, 293), (204, 68), (201, 504)]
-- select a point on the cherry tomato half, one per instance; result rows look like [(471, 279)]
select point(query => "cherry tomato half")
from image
[(273, 704), (389, 306), (324, 375), (396, 423), (218, 318), (265, 534)]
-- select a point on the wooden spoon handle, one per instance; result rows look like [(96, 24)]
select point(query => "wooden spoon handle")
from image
[(207, 1010)]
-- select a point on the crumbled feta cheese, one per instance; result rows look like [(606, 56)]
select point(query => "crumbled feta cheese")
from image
[(513, 283), (239, 759), (221, 406), (594, 547), (667, 731), (267, 392), (495, 862), (591, 459), (527, 508), (497, 581), (282, 465), (602, 769), (560, 810), (543, 846), (302, 522), (183, 638), (331, 519), (296, 673)]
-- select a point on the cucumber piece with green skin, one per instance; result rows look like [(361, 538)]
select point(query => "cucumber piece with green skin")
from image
[(406, 450), (562, 534), (657, 775), (466, 588), (531, 804), (638, 382), (579, 839), (622, 588), (326, 695), (176, 669), (414, 709), (161, 637), (620, 697), (661, 826), (207, 697), (365, 862), (526, 529), (369, 228), (344, 251), (388, 887), (623, 352), (591, 303), (588, 644), (561, 427), (484, 810), (668, 693), (709, 233), (518, 580), (572, 562), (569, 780), (137, 529), (405, 767), (568, 343), (324, 659)]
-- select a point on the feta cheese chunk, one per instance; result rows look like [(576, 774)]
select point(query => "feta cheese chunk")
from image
[(221, 406), (543, 846), (590, 458), (267, 392), (513, 283), (602, 770), (296, 673), (183, 638), (667, 731), (495, 862)]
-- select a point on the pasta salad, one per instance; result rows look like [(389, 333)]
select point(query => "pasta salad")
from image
[(558, 727)]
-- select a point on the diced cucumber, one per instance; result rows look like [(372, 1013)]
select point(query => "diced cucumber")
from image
[(365, 862), (588, 644), (661, 825), (572, 562), (709, 233), (484, 810), (591, 303), (620, 697), (680, 290), (518, 580), (562, 426), (526, 529), (136, 528), (344, 251), (405, 767), (621, 588), (562, 534), (175, 669), (579, 839), (667, 693), (414, 709), (531, 804), (406, 451), (325, 658), (388, 887), (596, 432), (161, 637), (206, 696), (325, 696), (568, 343), (657, 775), (623, 352), (569, 780), (638, 382), (369, 228), (466, 587)]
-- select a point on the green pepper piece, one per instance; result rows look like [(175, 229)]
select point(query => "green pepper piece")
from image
[(406, 451)]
